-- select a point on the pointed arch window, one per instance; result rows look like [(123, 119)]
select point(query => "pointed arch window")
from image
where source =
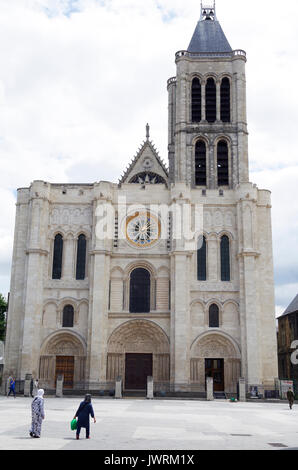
[(196, 100), (57, 257), (211, 100), (68, 316), (213, 316), (222, 163), (200, 164), (140, 287), (81, 257), (225, 100), (202, 259), (225, 258)]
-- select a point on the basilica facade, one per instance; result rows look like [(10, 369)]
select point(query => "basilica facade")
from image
[(105, 282)]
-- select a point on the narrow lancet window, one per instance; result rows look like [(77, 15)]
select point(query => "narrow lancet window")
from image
[(225, 258), (81, 258), (196, 100), (225, 100), (202, 259), (140, 286), (68, 316), (200, 164), (57, 257), (214, 316), (222, 163), (210, 100)]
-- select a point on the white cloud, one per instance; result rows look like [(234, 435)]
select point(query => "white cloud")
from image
[(79, 80)]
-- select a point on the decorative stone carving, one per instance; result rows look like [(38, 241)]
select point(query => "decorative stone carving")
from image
[(71, 215), (64, 345), (214, 346), (138, 336)]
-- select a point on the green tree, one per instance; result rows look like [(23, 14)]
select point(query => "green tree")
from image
[(3, 311)]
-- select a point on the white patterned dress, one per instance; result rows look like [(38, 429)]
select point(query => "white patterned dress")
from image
[(37, 408)]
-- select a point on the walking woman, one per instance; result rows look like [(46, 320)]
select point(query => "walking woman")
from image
[(12, 387), (38, 415), (84, 411), (290, 397)]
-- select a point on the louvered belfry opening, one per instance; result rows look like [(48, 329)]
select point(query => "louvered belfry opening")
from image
[(200, 164), (57, 257), (139, 298), (213, 316), (202, 259), (225, 102), (225, 258), (196, 100), (210, 100), (222, 163), (81, 257)]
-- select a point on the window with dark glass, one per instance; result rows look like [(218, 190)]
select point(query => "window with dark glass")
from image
[(196, 100), (214, 316), (139, 298), (202, 259), (81, 258), (210, 100), (222, 163), (225, 258), (68, 316), (57, 257), (200, 164), (225, 100)]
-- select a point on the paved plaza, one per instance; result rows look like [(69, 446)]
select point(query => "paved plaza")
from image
[(140, 424)]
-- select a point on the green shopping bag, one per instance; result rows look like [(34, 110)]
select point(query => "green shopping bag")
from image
[(73, 424)]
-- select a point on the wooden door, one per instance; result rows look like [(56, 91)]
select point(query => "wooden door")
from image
[(137, 368), (65, 366), (215, 368)]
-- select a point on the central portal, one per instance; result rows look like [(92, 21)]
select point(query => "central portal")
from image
[(137, 368)]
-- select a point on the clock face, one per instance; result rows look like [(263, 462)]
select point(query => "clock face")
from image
[(142, 229)]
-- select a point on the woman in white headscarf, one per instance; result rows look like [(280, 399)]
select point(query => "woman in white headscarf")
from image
[(38, 415)]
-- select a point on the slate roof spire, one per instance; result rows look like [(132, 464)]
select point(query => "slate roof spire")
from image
[(293, 307), (208, 35)]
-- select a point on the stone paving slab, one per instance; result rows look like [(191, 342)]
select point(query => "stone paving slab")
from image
[(140, 424)]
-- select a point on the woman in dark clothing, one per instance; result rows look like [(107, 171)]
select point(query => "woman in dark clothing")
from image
[(84, 411)]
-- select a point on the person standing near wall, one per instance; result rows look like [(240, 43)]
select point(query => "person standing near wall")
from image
[(12, 387), (290, 397), (9, 379)]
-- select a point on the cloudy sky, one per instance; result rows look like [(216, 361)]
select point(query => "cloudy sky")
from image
[(79, 80)]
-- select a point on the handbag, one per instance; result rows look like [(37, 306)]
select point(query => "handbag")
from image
[(73, 424)]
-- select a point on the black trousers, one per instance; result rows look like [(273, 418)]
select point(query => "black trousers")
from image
[(87, 426)]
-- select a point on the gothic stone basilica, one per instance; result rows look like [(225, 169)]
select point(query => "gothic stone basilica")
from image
[(141, 301)]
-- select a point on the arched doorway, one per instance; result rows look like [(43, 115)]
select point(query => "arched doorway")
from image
[(216, 355), (62, 353), (137, 349)]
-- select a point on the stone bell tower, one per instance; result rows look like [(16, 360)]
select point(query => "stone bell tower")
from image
[(207, 110), (208, 160)]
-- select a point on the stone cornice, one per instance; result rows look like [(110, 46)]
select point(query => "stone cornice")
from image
[(147, 316), (37, 251), (100, 252), (247, 253), (141, 255)]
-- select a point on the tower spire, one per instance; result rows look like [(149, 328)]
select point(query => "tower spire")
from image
[(208, 12), (147, 132)]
